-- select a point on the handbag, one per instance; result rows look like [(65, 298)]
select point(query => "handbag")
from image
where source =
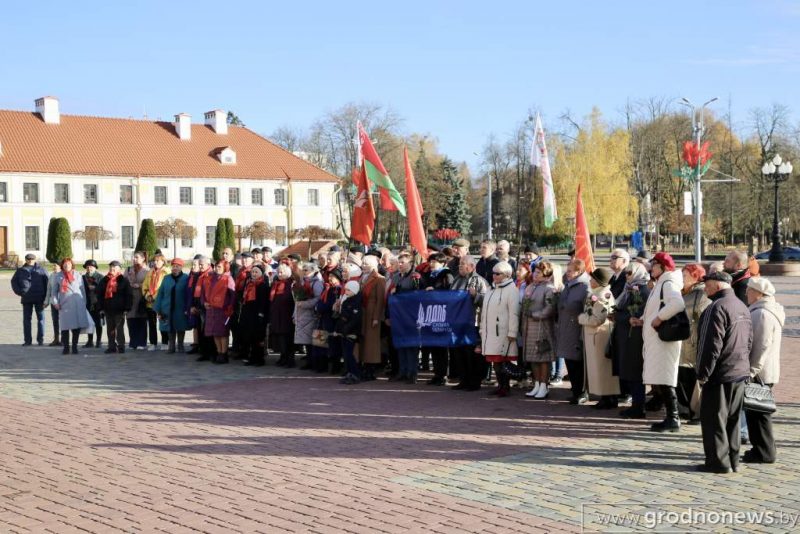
[(319, 338), (677, 327), (758, 397)]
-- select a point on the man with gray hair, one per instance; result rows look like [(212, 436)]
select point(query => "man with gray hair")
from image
[(724, 339), (735, 264), (504, 254), (620, 259), (472, 366)]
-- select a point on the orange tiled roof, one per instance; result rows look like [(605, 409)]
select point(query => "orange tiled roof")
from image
[(129, 147), (301, 248)]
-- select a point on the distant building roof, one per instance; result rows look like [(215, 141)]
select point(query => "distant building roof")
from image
[(128, 147), (301, 248)]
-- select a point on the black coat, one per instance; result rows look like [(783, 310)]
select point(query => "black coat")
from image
[(324, 308), (739, 284), (618, 284), (30, 284), (120, 302), (724, 338), (254, 315), (91, 282), (348, 321), (442, 280), (628, 343), (485, 266)]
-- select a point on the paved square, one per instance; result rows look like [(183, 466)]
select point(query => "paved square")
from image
[(150, 442)]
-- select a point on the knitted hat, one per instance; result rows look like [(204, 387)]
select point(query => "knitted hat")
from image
[(353, 286), (762, 285), (602, 276)]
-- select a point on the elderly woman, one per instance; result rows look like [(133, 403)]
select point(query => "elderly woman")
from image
[(52, 289), (695, 301), (768, 319), (373, 294), (91, 281), (568, 341), (628, 343), (348, 310), (219, 294), (152, 281), (596, 334), (281, 325), (538, 330), (661, 358), (254, 315), (70, 301), (306, 289), (499, 324), (137, 315), (169, 306), (326, 323)]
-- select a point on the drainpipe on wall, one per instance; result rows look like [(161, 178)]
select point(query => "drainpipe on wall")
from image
[(138, 188), (289, 203)]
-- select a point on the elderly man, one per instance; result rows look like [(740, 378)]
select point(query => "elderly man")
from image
[(768, 319), (30, 283), (472, 366), (487, 261), (620, 259), (504, 254), (724, 339), (460, 249), (735, 264)]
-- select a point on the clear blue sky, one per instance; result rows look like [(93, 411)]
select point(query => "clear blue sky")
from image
[(457, 70)]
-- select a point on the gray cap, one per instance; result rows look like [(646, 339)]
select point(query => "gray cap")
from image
[(30, 256), (719, 276)]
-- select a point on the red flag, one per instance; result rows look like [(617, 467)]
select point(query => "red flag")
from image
[(416, 232), (583, 246), (363, 223)]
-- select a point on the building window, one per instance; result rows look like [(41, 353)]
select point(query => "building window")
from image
[(160, 192), (280, 197), (313, 197), (30, 193), (280, 235), (91, 244), (187, 242), (186, 195), (31, 238), (62, 193), (210, 231), (127, 237), (257, 197), (211, 196), (126, 194), (233, 196), (3, 192), (90, 193), (162, 243)]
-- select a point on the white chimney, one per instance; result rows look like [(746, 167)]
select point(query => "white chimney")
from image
[(218, 120), (47, 107), (183, 126)]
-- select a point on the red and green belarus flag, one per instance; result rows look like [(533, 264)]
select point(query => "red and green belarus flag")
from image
[(377, 174)]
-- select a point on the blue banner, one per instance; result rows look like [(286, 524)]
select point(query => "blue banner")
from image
[(432, 319)]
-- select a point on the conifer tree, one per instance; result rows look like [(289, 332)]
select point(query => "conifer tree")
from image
[(146, 240)]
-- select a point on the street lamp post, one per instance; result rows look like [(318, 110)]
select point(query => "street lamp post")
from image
[(777, 171), (699, 128)]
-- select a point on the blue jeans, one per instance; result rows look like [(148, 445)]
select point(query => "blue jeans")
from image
[(557, 368), (27, 312), (348, 345), (407, 359), (743, 426)]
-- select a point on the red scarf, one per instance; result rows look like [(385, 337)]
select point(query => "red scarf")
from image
[(111, 285), (250, 289), (241, 279), (155, 277), (217, 290), (327, 289), (278, 288), (69, 276), (202, 278)]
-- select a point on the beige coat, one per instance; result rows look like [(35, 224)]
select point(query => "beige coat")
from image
[(596, 333), (500, 320), (661, 358), (765, 354), (374, 301)]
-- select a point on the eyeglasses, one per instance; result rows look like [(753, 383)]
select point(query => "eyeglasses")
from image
[(615, 257), (496, 274)]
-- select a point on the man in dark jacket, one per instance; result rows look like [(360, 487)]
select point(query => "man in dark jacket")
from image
[(471, 366), (438, 278), (620, 259), (114, 298), (30, 284), (487, 261), (735, 264), (725, 334)]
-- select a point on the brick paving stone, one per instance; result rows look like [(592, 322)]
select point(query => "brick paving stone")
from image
[(150, 442)]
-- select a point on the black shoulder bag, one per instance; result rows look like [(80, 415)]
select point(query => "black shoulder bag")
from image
[(677, 327), (758, 397)]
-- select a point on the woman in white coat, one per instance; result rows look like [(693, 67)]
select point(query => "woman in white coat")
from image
[(500, 324), (69, 298), (662, 358)]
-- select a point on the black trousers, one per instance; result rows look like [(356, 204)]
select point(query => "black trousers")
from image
[(687, 377), (471, 366), (720, 409), (759, 426), (439, 361), (98, 327), (115, 330), (152, 329), (576, 377), (76, 332)]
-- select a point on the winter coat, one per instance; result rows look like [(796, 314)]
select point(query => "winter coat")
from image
[(281, 309), (52, 287), (724, 340), (661, 358), (500, 320), (570, 305), (596, 333), (348, 317), (696, 302), (618, 282), (373, 293), (538, 323), (135, 278), (255, 313), (193, 321), (472, 281), (120, 302), (628, 344), (169, 303), (71, 303), (402, 283), (768, 318), (91, 282), (30, 284), (305, 319), (165, 272), (441, 280), (485, 267), (324, 308), (739, 284)]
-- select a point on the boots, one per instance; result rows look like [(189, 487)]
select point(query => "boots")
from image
[(89, 342), (56, 340), (533, 392), (671, 422), (171, 343), (221, 358)]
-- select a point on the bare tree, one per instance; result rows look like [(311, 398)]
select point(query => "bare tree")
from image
[(258, 231), (174, 228), (289, 138), (93, 235), (315, 233)]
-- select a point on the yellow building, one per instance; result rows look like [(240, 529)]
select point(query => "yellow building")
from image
[(112, 173)]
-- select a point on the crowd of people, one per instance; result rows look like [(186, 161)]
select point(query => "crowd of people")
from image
[(604, 331)]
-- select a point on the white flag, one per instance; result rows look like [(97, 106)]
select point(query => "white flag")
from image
[(540, 159)]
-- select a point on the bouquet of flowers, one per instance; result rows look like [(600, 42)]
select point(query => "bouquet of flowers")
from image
[(605, 299), (634, 301), (415, 279), (301, 290)]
